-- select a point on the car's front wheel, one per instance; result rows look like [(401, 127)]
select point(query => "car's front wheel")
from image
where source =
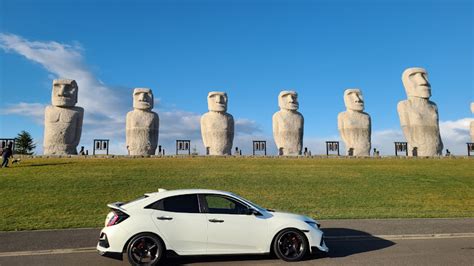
[(145, 249), (290, 245)]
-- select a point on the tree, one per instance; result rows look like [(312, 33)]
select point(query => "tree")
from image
[(24, 143)]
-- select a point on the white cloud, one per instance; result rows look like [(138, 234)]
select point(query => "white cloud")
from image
[(66, 61), (383, 140), (33, 110), (455, 135), (317, 145), (105, 106), (186, 125)]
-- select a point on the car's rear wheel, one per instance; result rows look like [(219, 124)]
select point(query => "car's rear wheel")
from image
[(145, 249), (290, 245)]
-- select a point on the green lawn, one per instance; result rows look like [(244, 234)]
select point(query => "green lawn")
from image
[(66, 193)]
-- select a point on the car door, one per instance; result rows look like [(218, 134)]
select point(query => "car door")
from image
[(231, 230), (180, 222)]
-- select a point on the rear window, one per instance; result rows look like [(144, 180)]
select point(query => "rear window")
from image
[(181, 203), (135, 200)]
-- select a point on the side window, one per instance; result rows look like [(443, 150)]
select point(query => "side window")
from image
[(223, 205), (181, 203)]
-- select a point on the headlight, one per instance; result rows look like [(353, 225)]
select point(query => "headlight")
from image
[(313, 224)]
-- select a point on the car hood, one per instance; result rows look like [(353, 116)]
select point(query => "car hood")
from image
[(288, 215)]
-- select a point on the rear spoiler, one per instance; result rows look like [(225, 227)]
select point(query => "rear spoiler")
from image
[(116, 206)]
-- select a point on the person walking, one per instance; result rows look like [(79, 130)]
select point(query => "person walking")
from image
[(6, 154)]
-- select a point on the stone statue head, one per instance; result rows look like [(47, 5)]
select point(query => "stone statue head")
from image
[(217, 101), (415, 81), (142, 99), (353, 100), (64, 93), (288, 100)]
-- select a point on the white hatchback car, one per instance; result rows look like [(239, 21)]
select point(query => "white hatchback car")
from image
[(204, 222)]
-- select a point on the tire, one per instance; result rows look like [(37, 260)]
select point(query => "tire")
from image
[(290, 245), (145, 249)]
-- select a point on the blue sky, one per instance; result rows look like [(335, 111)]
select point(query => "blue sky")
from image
[(250, 49)]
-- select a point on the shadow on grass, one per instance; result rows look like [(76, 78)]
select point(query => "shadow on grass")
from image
[(342, 242), (46, 164)]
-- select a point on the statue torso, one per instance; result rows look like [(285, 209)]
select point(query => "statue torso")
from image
[(423, 127), (142, 132), (61, 124), (289, 128), (218, 131), (356, 132)]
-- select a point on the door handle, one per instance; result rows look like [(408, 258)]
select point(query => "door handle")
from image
[(164, 218), (216, 221)]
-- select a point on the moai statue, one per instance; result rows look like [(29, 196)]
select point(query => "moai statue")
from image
[(472, 123), (62, 119), (288, 125), (217, 126), (354, 124), (418, 115), (142, 124)]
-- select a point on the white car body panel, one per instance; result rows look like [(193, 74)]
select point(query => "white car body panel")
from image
[(194, 234), (186, 233), (248, 234)]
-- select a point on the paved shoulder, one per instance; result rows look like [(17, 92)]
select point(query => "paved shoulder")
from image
[(398, 226), (86, 238)]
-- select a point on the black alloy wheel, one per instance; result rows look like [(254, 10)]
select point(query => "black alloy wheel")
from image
[(290, 245), (145, 249)]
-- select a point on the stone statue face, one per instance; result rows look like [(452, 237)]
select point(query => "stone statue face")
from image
[(353, 100), (64, 93), (142, 99), (288, 100), (217, 101), (416, 83)]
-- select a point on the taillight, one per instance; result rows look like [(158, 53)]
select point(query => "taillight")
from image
[(117, 218)]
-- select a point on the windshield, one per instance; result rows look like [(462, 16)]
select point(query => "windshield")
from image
[(259, 208)]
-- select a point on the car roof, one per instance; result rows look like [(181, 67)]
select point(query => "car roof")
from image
[(154, 196), (168, 193)]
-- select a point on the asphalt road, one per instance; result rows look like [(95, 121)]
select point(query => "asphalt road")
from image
[(351, 242)]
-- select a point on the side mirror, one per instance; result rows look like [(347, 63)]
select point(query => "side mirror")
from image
[(251, 211)]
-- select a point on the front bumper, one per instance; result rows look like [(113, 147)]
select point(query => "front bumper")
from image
[(316, 240)]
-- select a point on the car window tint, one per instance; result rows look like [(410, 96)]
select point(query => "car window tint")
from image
[(223, 205), (182, 203)]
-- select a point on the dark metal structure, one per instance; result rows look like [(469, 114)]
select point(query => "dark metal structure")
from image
[(101, 145), (6, 142), (259, 146), (470, 148), (183, 145), (332, 146), (401, 147)]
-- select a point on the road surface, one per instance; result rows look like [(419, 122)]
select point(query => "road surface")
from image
[(351, 242)]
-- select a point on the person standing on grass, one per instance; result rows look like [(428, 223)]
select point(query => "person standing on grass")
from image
[(6, 154)]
